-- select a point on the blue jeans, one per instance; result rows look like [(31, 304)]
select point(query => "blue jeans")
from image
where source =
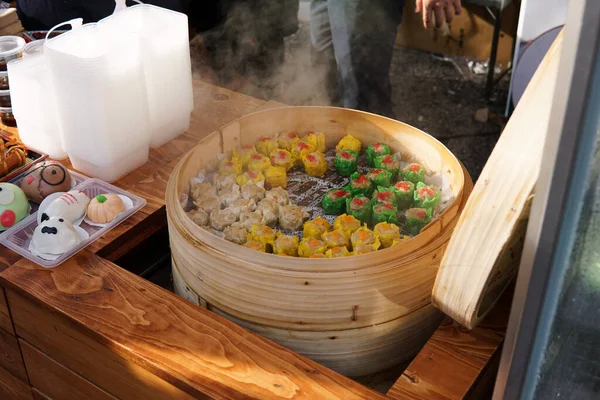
[(360, 35)]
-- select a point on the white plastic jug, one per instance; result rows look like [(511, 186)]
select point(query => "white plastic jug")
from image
[(33, 103), (101, 100), (165, 50)]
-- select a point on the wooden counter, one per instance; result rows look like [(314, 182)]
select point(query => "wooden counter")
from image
[(90, 328)]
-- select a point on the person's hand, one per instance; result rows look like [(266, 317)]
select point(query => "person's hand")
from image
[(444, 10)]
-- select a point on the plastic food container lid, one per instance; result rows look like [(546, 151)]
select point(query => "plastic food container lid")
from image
[(35, 47), (4, 92), (11, 45), (3, 73), (5, 109)]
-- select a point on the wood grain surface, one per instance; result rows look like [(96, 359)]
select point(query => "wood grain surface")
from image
[(12, 388), (55, 311), (150, 328), (76, 348), (10, 356), (477, 265), (5, 320), (454, 358), (57, 381), (38, 395)]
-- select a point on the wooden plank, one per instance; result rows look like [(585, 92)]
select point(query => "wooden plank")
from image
[(74, 347), (142, 231), (57, 381), (454, 360), (7, 258), (10, 356), (98, 306), (12, 388), (481, 257), (5, 319), (37, 395)]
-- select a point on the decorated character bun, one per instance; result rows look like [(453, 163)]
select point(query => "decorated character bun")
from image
[(13, 205), (104, 208), (45, 179)]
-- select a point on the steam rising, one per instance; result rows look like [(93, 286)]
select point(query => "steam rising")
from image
[(245, 55)]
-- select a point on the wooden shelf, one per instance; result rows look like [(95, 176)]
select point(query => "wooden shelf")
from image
[(129, 338)]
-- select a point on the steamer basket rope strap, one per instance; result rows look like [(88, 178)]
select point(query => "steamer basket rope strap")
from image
[(324, 307)]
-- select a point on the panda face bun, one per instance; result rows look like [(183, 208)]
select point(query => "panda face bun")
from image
[(55, 236), (47, 178)]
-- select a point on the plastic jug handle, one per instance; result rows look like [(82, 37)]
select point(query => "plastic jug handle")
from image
[(75, 24)]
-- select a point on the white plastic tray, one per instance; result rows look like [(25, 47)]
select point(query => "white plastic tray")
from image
[(18, 237)]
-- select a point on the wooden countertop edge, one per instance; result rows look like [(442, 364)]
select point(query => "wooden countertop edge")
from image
[(100, 297)]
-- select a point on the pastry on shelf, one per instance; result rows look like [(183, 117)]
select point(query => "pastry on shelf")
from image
[(104, 208), (55, 235), (44, 179), (71, 206), (14, 206)]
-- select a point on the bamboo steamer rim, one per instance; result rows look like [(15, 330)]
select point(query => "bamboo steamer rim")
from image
[(195, 234)]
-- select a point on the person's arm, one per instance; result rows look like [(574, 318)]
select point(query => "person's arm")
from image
[(444, 10)]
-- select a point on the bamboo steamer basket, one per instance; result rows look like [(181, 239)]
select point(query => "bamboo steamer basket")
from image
[(357, 315)]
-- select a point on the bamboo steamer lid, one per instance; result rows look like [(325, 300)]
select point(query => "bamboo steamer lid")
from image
[(484, 251)]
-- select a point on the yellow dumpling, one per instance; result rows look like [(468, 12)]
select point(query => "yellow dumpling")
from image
[(286, 139), (286, 245), (349, 142), (311, 246), (250, 176), (364, 237), (403, 238), (282, 158), (363, 249), (300, 148), (317, 139), (254, 245), (230, 167), (275, 177), (263, 234), (316, 227), (244, 153), (336, 238), (318, 255), (388, 233), (258, 162), (340, 251), (265, 145), (346, 223), (315, 164)]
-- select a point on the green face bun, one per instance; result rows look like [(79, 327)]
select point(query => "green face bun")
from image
[(14, 206)]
